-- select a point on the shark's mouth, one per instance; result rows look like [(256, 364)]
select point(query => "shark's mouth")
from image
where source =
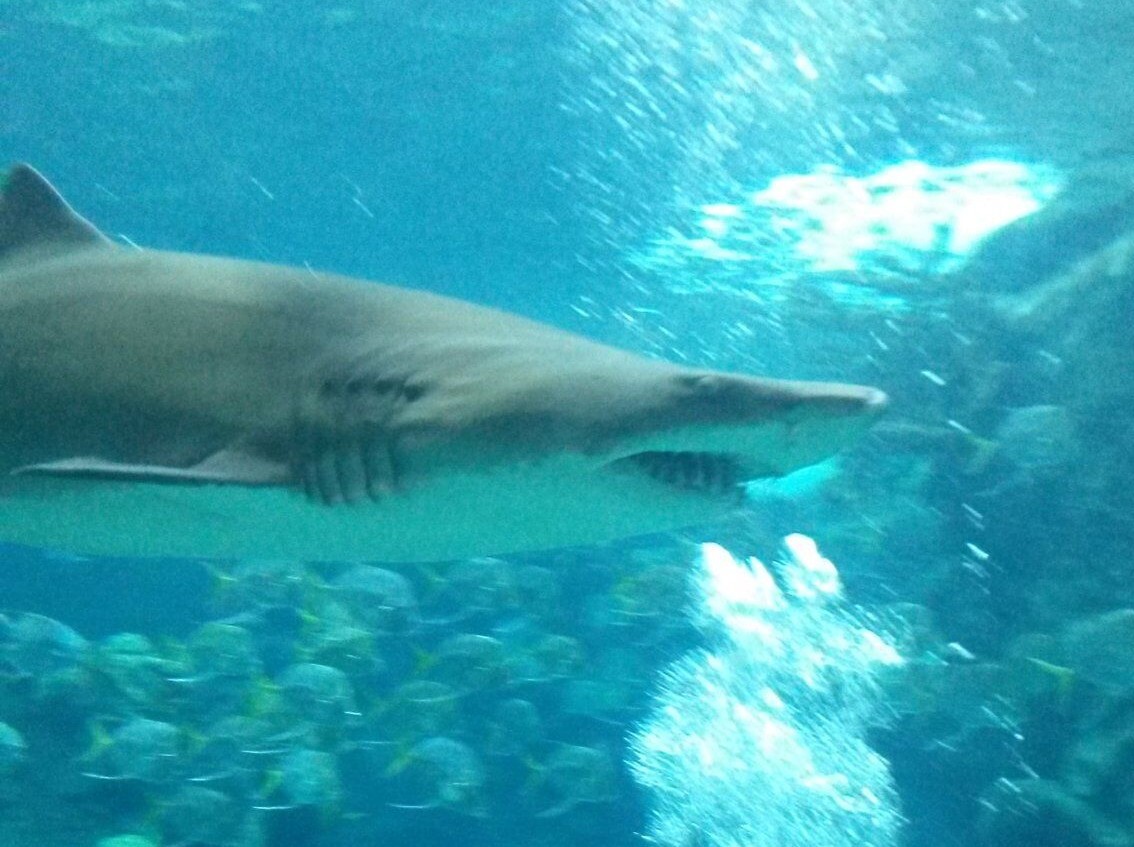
[(701, 472)]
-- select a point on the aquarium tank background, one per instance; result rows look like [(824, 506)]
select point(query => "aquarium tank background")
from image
[(937, 199)]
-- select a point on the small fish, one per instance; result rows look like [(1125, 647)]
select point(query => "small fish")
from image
[(441, 773), (141, 749)]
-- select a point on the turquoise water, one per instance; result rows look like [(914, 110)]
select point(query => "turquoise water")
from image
[(935, 200)]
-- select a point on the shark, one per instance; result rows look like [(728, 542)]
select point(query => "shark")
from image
[(158, 403)]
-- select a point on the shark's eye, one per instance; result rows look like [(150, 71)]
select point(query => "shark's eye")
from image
[(699, 385), (690, 381), (412, 392)]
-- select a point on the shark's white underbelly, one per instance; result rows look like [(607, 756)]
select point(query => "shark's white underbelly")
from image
[(523, 511)]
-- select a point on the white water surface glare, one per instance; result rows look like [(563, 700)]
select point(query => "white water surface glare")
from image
[(759, 738)]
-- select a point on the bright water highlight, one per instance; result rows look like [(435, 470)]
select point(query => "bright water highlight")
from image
[(759, 739)]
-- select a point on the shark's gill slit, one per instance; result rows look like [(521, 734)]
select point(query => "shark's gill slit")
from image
[(350, 473)]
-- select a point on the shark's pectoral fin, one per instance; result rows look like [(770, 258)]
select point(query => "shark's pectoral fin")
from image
[(227, 467)]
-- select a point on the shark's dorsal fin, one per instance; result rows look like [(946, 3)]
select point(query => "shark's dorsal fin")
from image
[(34, 218)]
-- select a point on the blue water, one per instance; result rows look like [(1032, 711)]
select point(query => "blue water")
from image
[(605, 166)]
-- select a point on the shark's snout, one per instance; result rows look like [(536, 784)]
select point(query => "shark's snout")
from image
[(861, 400), (875, 400)]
